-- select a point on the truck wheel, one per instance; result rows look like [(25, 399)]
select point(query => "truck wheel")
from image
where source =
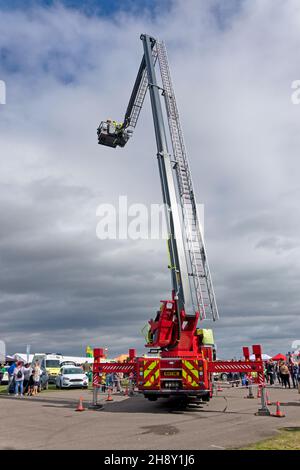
[(152, 398), (206, 397)]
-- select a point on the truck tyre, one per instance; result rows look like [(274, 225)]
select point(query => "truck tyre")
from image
[(152, 398)]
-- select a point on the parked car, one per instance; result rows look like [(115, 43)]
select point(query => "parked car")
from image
[(68, 363), (221, 376), (44, 380), (71, 377)]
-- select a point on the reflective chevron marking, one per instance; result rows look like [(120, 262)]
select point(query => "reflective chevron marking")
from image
[(151, 373), (190, 373)]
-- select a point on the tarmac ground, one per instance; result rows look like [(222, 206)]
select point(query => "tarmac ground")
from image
[(50, 421)]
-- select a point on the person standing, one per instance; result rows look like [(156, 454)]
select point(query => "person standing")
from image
[(277, 372), (30, 384), (10, 372), (37, 372), (118, 381), (27, 373), (270, 372), (102, 379), (86, 367), (109, 381), (293, 373), (131, 383), (236, 379), (19, 379), (285, 375)]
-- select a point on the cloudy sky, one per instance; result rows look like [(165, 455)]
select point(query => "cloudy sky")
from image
[(67, 67)]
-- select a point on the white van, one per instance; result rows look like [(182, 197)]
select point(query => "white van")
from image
[(50, 362)]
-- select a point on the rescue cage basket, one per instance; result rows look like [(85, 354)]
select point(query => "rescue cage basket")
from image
[(112, 135)]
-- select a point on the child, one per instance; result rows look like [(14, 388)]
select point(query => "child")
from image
[(30, 384)]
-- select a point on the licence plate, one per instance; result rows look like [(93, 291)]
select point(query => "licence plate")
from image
[(172, 373)]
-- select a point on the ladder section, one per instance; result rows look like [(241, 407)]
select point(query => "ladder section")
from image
[(140, 97), (200, 279)]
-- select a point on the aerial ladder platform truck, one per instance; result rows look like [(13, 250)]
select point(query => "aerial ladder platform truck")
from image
[(182, 357)]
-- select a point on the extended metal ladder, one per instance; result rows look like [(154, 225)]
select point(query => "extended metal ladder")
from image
[(140, 97), (200, 279)]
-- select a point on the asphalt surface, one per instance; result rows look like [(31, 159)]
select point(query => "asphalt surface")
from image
[(50, 421)]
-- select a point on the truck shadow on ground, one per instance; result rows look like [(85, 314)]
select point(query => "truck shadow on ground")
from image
[(167, 406), (137, 404)]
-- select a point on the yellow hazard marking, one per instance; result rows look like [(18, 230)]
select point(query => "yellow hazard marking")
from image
[(187, 376), (192, 369), (148, 384), (151, 380), (150, 368)]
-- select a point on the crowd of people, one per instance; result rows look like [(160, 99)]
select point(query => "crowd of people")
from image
[(284, 373), (23, 379), (116, 381)]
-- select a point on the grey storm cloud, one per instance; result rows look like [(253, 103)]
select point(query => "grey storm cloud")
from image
[(62, 288)]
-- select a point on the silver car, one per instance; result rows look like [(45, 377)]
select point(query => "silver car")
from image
[(71, 377)]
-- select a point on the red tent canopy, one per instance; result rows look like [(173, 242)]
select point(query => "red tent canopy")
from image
[(279, 357)]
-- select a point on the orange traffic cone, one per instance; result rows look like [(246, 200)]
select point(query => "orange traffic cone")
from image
[(278, 413), (219, 389), (258, 392), (109, 397), (126, 391), (80, 405), (268, 398)]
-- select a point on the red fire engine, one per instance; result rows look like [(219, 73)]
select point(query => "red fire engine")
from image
[(182, 358)]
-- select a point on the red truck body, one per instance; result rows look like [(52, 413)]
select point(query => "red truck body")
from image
[(189, 377)]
